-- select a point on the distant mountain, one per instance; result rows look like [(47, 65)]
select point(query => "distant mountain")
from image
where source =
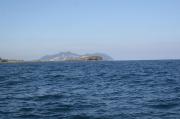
[(62, 56), (66, 56)]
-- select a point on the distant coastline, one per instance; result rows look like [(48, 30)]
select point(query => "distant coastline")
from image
[(69, 56), (64, 56)]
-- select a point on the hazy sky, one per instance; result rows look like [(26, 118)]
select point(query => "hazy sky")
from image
[(124, 29)]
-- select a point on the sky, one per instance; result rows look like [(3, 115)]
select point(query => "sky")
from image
[(123, 29)]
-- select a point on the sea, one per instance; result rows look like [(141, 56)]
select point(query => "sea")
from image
[(90, 90)]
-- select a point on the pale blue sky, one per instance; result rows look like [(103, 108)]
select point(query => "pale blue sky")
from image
[(124, 29)]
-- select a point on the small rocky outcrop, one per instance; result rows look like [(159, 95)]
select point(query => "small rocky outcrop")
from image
[(3, 60), (10, 61)]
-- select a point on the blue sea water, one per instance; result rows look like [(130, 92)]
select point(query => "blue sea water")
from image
[(90, 90)]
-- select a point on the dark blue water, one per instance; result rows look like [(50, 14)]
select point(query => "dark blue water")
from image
[(90, 90)]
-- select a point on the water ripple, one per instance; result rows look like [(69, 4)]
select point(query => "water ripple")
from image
[(90, 90)]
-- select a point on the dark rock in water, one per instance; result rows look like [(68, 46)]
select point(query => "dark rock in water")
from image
[(10, 61), (4, 60)]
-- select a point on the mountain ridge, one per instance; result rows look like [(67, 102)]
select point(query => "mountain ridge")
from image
[(66, 56)]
